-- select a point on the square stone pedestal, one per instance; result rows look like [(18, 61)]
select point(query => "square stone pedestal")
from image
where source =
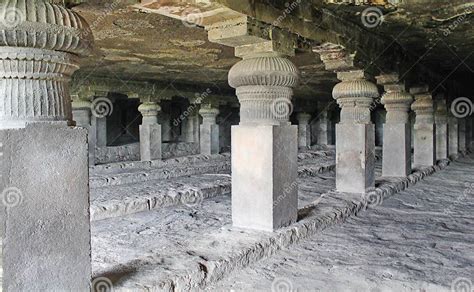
[(45, 209), (425, 145), (150, 142), (264, 172), (304, 135), (355, 157), (441, 141), (209, 139), (396, 150)]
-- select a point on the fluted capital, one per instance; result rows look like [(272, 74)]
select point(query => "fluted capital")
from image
[(335, 57), (264, 71), (303, 118), (149, 108), (209, 114), (43, 25)]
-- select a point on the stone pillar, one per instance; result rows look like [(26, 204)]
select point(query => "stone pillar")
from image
[(165, 123), (396, 131), (209, 130), (304, 130), (469, 133), (264, 144), (150, 132), (441, 121), (81, 113), (453, 139), (324, 124), (462, 135), (191, 124), (44, 179), (100, 124), (355, 134), (425, 144)]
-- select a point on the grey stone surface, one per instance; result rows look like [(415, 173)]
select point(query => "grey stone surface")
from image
[(209, 139), (453, 132), (355, 157), (397, 150), (418, 240), (424, 144), (462, 135), (45, 210), (441, 141), (150, 251), (150, 142), (264, 171)]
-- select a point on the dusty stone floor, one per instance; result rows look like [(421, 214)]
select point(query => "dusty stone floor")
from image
[(421, 239)]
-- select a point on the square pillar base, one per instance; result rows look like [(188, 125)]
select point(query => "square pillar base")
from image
[(425, 145), (264, 172), (304, 136), (396, 150), (441, 141), (45, 223), (150, 142), (209, 136), (355, 157)]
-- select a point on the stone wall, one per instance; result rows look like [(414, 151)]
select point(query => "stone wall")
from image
[(131, 152)]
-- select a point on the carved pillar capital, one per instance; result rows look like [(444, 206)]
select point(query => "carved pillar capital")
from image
[(209, 114), (264, 86), (149, 111), (395, 99), (303, 118), (423, 105), (33, 58)]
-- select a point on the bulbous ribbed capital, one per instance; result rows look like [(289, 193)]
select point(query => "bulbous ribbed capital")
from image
[(397, 97), (265, 71), (209, 111), (355, 89), (149, 109), (42, 25)]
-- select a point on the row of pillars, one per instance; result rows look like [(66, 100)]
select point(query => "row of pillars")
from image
[(151, 131)]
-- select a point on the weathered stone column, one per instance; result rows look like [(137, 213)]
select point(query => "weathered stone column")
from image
[(425, 144), (441, 121), (396, 132), (191, 124), (165, 122), (469, 133), (100, 124), (264, 145), (304, 129), (44, 181), (150, 132), (355, 134), (324, 133), (209, 130), (462, 135), (82, 115), (453, 132)]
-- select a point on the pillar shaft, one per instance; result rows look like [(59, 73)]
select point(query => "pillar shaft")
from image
[(209, 137), (44, 179), (462, 135), (150, 132), (81, 113), (304, 130), (324, 125), (441, 121), (453, 132), (264, 144), (425, 144), (355, 134), (396, 132)]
